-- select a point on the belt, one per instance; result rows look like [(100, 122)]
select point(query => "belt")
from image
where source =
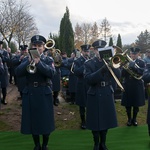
[(37, 84), (103, 84)]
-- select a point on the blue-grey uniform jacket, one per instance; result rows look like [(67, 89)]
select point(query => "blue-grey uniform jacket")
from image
[(4, 77), (21, 81), (56, 80), (134, 94), (146, 78), (101, 113), (72, 77), (37, 105), (82, 86), (1, 73)]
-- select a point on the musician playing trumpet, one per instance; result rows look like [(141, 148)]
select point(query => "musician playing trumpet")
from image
[(37, 100), (134, 95)]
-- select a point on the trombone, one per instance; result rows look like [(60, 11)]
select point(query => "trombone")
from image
[(107, 52), (114, 76), (123, 60), (78, 54)]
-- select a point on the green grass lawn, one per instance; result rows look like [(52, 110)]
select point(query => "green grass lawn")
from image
[(121, 138), (69, 136)]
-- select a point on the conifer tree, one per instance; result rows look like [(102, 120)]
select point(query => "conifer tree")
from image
[(119, 42), (111, 42), (143, 41), (66, 34)]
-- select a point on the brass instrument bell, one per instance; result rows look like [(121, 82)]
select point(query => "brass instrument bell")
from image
[(31, 68), (50, 44)]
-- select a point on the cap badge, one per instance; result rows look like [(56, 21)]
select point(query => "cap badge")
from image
[(100, 43), (37, 37)]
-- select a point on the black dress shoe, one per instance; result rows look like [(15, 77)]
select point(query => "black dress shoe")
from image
[(72, 103), (102, 147), (4, 102), (96, 147), (55, 104), (129, 123), (37, 148), (44, 148), (83, 126), (57, 101), (134, 122)]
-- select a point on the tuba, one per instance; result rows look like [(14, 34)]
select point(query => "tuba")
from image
[(123, 60), (50, 44), (56, 55), (57, 58)]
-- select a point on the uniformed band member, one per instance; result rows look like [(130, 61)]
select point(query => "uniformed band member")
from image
[(10, 66), (147, 57), (101, 114), (134, 95), (1, 73), (55, 81), (37, 101), (56, 86), (4, 78), (64, 75), (63, 68), (72, 76), (146, 78), (82, 87), (16, 61)]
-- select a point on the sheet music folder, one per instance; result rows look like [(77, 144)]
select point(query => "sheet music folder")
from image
[(34, 53)]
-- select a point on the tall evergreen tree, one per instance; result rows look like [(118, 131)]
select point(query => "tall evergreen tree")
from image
[(143, 41), (111, 41), (119, 41), (66, 34)]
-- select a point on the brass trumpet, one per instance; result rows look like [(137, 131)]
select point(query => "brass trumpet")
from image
[(31, 68)]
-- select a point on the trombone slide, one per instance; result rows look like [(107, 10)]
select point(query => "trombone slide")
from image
[(114, 76)]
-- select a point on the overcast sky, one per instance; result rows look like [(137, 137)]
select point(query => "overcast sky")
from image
[(126, 17)]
